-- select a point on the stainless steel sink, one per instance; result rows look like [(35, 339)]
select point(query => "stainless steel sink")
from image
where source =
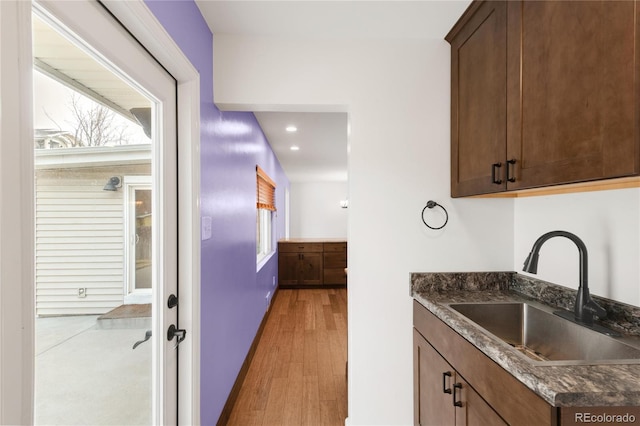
[(546, 338)]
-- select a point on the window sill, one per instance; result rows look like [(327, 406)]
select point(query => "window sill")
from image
[(263, 260)]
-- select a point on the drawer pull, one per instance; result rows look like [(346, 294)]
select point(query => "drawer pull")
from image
[(456, 403), (445, 389), (494, 178)]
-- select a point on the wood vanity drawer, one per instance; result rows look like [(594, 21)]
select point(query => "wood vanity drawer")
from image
[(300, 247), (335, 247)]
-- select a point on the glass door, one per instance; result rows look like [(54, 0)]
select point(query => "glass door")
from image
[(105, 213)]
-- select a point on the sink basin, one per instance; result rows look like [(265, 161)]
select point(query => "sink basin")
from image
[(545, 338)]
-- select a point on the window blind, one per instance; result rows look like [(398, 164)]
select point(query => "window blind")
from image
[(266, 198)]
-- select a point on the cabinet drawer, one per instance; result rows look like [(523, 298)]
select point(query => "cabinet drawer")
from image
[(335, 260), (300, 247), (335, 276), (335, 247)]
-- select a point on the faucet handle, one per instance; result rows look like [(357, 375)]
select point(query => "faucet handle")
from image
[(595, 309)]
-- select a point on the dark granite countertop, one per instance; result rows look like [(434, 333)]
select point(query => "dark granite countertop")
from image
[(559, 385)]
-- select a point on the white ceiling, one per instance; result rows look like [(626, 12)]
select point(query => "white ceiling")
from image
[(322, 137), (333, 19)]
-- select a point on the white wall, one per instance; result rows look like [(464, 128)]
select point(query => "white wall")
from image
[(606, 221), (316, 211), (397, 97)]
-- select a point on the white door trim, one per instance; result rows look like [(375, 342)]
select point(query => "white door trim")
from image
[(16, 215), (16, 190), (141, 22)]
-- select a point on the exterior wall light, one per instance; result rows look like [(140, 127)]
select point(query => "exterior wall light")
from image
[(113, 184)]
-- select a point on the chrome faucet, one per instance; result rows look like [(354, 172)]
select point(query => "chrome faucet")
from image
[(585, 308)]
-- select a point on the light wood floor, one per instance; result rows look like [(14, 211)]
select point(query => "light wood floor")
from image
[(298, 373)]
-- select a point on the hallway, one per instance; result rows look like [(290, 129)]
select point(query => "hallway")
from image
[(298, 373)]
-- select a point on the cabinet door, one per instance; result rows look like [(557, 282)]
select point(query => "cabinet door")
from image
[(289, 268), (433, 379), (441, 396), (472, 409), (335, 263), (312, 273), (479, 102), (335, 259), (573, 100), (336, 276)]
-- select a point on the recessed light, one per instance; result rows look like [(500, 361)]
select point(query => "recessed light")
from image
[(295, 148), (291, 129)]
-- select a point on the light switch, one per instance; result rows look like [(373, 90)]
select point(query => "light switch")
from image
[(206, 227)]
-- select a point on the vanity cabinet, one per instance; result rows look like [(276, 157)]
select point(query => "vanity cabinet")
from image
[(486, 394), (314, 262), (543, 93), (442, 396)]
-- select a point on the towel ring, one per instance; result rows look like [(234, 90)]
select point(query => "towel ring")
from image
[(431, 204)]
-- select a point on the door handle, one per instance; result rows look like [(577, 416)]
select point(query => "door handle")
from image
[(494, 178), (456, 402), (511, 168), (445, 389), (173, 332), (147, 336)]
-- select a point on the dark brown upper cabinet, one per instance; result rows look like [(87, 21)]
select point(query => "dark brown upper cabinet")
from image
[(543, 93), (479, 100)]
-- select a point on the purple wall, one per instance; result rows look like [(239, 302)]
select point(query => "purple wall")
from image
[(232, 144)]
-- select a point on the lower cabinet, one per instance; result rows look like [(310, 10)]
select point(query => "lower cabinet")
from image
[(441, 395), (300, 268), (335, 263), (303, 263), (456, 384)]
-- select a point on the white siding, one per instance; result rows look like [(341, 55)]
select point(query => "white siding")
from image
[(79, 240)]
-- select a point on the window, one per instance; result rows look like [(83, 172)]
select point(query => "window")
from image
[(265, 206)]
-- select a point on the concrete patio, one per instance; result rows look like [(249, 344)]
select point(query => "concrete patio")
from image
[(90, 375)]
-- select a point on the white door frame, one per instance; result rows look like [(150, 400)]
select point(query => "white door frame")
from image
[(16, 205), (16, 215)]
